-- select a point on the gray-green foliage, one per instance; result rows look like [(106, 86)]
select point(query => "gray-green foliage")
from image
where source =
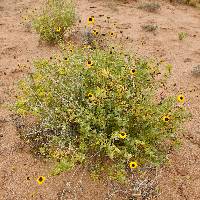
[(150, 6)]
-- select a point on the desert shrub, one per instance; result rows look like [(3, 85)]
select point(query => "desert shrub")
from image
[(55, 18), (99, 106), (182, 35), (195, 3), (150, 27), (149, 6)]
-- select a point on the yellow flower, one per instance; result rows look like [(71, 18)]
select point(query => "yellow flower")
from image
[(41, 180), (89, 63), (133, 165), (133, 71), (111, 34), (90, 95), (122, 135), (166, 118), (91, 20), (95, 32), (58, 30), (66, 59), (180, 98), (25, 18)]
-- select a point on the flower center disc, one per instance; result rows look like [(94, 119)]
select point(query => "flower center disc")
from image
[(40, 179)]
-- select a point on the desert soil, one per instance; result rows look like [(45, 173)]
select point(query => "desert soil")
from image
[(180, 178)]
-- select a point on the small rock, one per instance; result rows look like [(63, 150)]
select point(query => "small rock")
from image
[(196, 70)]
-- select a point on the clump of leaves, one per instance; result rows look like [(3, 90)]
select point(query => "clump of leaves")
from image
[(150, 6), (150, 27), (55, 19), (182, 35), (99, 106)]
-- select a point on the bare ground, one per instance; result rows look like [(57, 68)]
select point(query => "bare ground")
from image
[(180, 178)]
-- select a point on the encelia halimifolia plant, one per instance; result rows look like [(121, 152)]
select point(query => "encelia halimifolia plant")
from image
[(56, 17), (99, 106)]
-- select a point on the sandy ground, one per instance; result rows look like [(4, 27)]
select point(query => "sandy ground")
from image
[(180, 179)]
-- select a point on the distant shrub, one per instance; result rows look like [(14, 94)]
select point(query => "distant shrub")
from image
[(150, 6), (195, 3), (182, 35), (55, 18), (150, 27), (99, 106)]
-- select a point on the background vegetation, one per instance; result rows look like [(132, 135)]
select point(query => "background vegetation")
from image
[(54, 19)]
